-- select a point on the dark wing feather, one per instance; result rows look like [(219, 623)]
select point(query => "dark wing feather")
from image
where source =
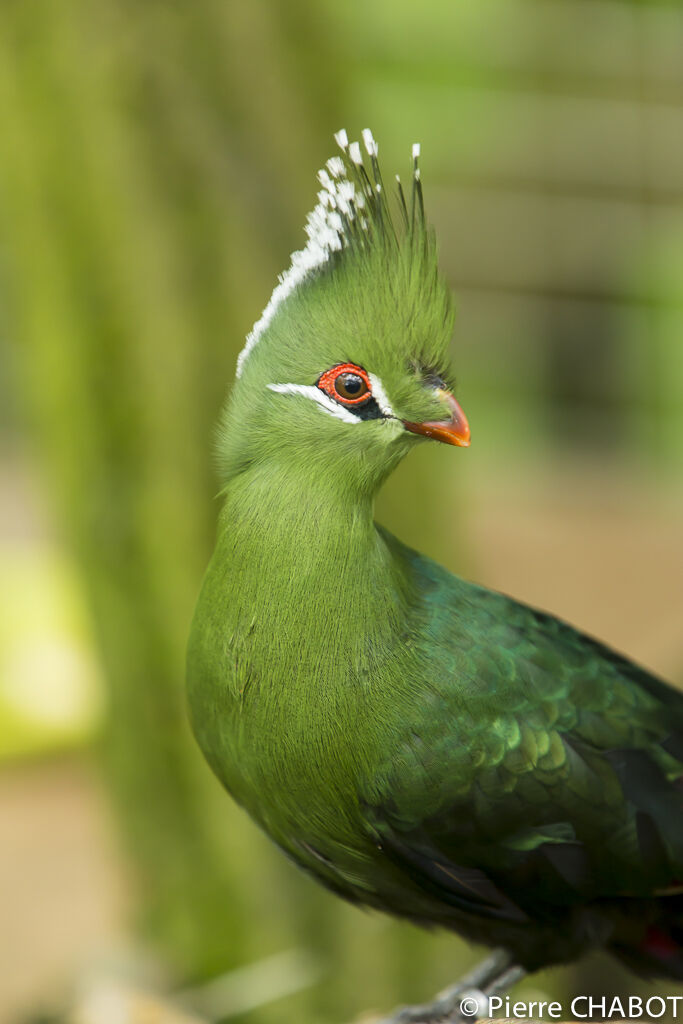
[(466, 889), (535, 770)]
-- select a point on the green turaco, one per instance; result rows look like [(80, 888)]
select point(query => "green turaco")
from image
[(415, 742)]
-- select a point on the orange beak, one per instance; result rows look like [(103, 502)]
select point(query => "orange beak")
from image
[(456, 430)]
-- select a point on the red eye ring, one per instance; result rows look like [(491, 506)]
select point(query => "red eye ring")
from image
[(330, 383)]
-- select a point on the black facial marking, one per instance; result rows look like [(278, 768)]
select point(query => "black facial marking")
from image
[(432, 377), (434, 380), (367, 411)]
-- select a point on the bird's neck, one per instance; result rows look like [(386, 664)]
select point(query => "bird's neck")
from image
[(310, 574)]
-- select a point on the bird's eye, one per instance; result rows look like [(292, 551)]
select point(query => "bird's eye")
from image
[(346, 383), (350, 386)]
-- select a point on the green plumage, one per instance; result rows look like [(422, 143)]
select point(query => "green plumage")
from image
[(419, 744)]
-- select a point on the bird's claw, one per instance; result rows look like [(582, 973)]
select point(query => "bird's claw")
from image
[(443, 1010), (467, 1001)]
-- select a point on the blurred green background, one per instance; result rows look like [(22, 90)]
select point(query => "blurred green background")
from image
[(157, 162)]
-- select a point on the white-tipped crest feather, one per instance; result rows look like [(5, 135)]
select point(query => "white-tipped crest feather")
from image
[(355, 154), (370, 145), (335, 166), (328, 226)]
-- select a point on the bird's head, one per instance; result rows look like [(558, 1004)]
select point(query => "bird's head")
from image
[(347, 367)]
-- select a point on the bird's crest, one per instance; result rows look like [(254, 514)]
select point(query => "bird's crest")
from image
[(353, 215)]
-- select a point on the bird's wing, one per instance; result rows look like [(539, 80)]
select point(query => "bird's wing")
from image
[(534, 765)]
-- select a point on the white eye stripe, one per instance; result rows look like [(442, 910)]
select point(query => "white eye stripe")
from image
[(332, 407), (380, 395), (314, 393)]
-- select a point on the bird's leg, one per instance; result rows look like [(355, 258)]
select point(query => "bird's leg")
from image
[(484, 973), (494, 975), (477, 999)]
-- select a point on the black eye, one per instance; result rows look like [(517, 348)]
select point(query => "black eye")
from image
[(350, 386)]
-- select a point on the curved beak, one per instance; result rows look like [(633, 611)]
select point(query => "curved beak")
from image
[(456, 430)]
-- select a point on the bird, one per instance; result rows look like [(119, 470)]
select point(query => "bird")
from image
[(417, 743)]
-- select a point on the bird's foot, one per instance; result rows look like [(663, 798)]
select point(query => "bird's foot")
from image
[(467, 1000)]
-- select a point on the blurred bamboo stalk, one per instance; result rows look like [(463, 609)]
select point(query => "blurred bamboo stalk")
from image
[(135, 151)]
